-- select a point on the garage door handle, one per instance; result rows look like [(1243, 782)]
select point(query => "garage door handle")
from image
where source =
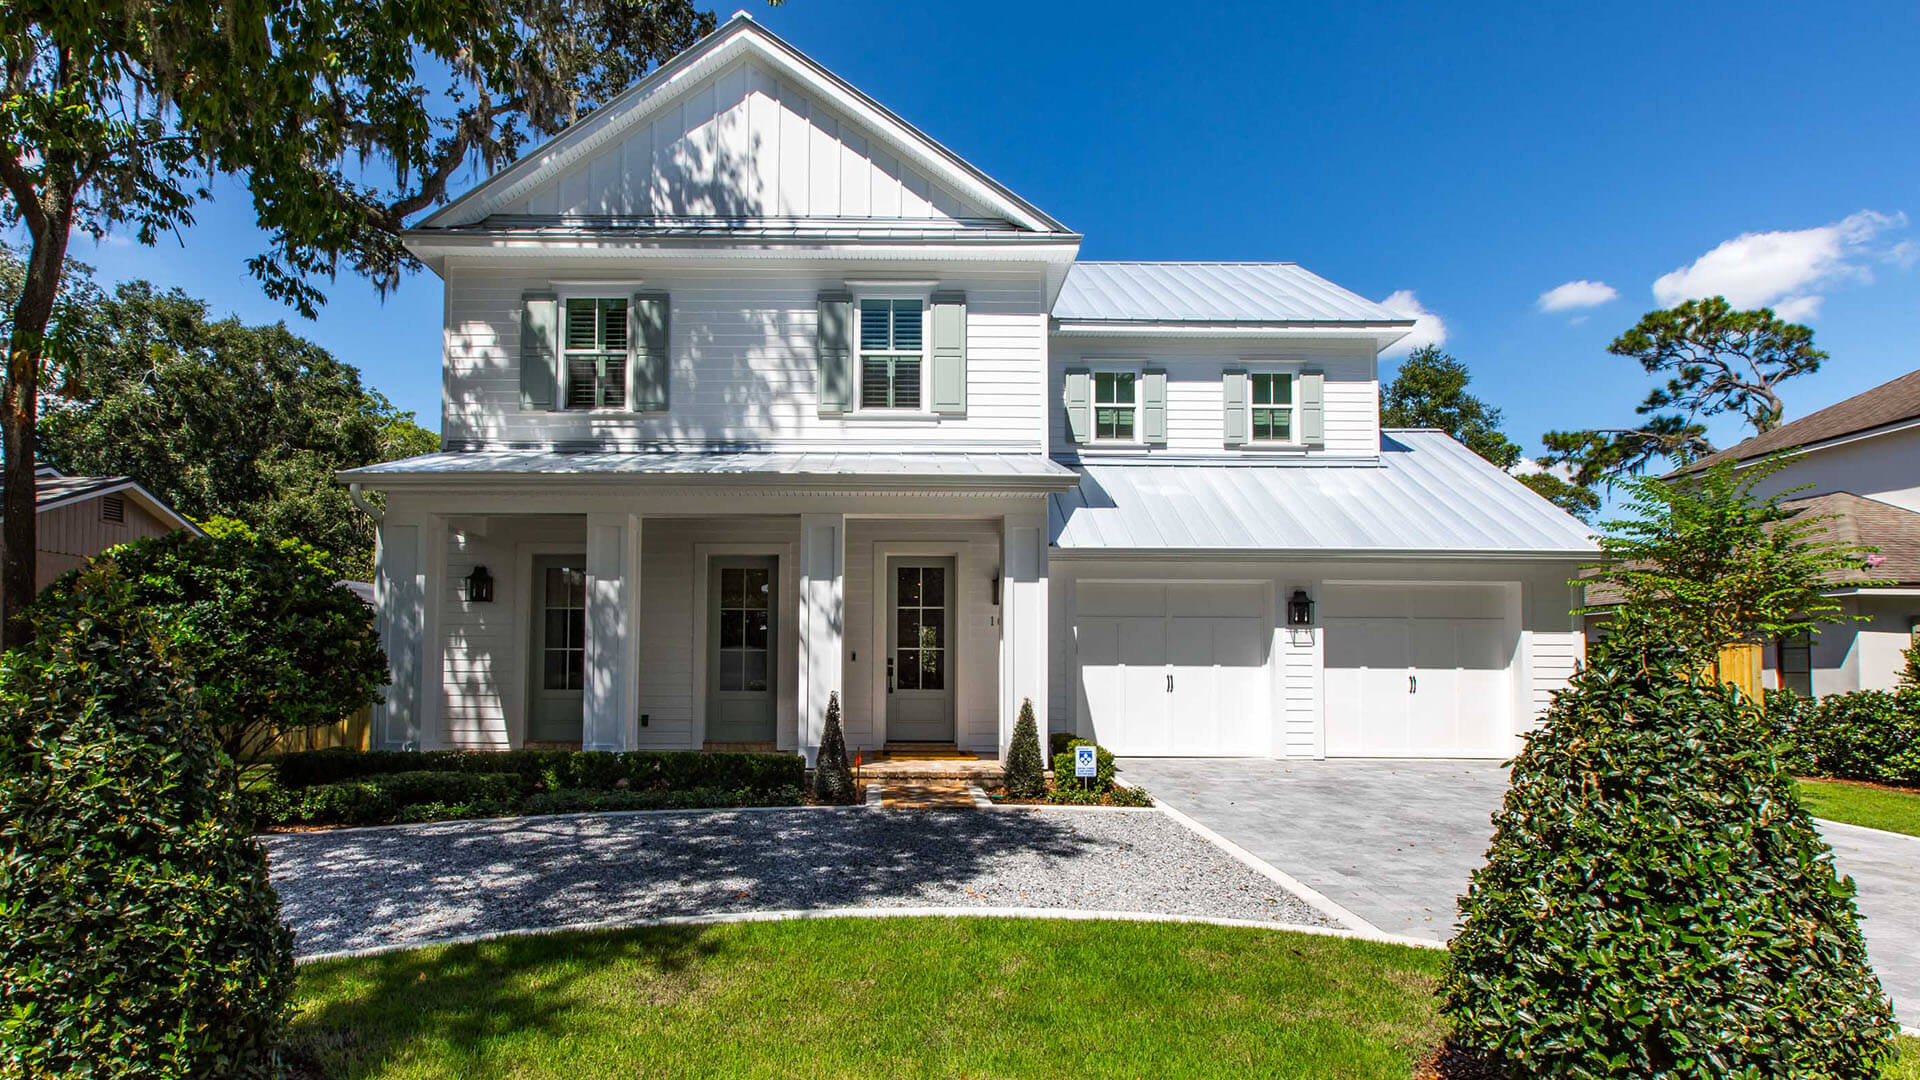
[(1413, 684), (1169, 684)]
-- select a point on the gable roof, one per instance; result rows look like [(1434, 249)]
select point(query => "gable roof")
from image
[(1211, 292), (53, 489), (1893, 530), (740, 36), (1889, 403)]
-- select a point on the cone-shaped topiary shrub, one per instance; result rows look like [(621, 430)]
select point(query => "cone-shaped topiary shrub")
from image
[(1656, 902), (832, 778), (1025, 774), (139, 935)]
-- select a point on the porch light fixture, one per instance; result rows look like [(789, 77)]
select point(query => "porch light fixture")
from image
[(1300, 609), (480, 586)]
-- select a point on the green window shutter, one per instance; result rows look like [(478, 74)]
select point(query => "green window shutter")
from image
[(1153, 408), (647, 339), (539, 350), (1313, 408), (1079, 406), (1233, 406), (834, 343), (950, 353)]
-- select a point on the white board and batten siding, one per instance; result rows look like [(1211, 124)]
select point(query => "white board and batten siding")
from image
[(746, 143), (743, 365), (1195, 396)]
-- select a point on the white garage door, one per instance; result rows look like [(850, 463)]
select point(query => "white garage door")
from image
[(1174, 670), (1418, 671)]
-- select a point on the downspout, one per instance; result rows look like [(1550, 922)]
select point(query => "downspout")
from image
[(359, 500)]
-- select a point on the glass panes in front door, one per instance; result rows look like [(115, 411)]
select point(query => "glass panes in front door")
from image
[(563, 646), (920, 633), (744, 622)]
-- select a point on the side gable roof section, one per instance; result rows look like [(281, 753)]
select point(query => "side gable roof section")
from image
[(740, 36), (1887, 405), (1211, 292), (53, 489)]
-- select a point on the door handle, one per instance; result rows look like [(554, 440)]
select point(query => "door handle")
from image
[(1169, 684), (889, 674), (1413, 684)]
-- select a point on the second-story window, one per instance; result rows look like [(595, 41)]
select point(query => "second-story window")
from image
[(1115, 397), (1272, 404), (891, 354), (595, 353)]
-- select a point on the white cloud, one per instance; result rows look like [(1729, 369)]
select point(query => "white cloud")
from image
[(1428, 327), (1527, 466), (1575, 295), (1790, 269)]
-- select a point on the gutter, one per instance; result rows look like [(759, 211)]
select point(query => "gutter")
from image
[(359, 500), (719, 483)]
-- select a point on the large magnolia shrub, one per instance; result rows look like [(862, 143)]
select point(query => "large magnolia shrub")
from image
[(264, 630), (1656, 902), (139, 936)]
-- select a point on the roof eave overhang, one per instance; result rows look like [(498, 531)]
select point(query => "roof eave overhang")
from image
[(1396, 554), (1382, 334), (145, 498), (716, 483), (1892, 428)]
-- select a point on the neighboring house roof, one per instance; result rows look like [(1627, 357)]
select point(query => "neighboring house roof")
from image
[(53, 488), (1894, 531), (738, 36), (1211, 292), (990, 471), (1885, 405), (361, 589), (1428, 495)]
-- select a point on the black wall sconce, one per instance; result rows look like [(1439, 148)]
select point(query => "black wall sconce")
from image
[(1300, 609), (480, 586)]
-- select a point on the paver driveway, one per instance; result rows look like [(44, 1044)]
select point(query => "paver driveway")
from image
[(1394, 842)]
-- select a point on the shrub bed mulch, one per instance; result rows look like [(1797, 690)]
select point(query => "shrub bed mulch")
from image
[(1449, 1062), (1074, 795)]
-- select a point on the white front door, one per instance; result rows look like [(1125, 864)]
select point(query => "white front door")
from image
[(1173, 670), (1417, 671)]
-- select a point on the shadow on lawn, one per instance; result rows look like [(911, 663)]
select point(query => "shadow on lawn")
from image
[(349, 890), (466, 995)]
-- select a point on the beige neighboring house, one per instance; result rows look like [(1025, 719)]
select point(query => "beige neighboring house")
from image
[(1858, 461), (82, 516)]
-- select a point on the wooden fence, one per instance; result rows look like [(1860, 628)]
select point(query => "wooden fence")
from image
[(1740, 666), (354, 731)]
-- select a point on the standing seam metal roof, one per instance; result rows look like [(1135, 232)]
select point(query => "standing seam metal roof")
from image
[(1428, 495), (1210, 292)]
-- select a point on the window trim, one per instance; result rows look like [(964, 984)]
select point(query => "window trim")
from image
[(1293, 440), (562, 381), (920, 292), (1097, 368)]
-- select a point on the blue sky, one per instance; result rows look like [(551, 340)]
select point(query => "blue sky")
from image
[(1476, 161)]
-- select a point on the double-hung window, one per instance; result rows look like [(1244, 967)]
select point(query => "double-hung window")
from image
[(892, 353), (594, 353), (1270, 396), (1115, 402), (1794, 653)]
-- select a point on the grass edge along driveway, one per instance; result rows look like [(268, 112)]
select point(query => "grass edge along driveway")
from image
[(1868, 805), (903, 997)]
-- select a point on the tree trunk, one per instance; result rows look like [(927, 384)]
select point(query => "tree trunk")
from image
[(19, 414)]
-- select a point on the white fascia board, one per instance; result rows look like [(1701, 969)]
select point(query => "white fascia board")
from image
[(1896, 593), (735, 38), (1851, 437), (141, 495), (1380, 334), (713, 483), (1296, 554), (1055, 252)]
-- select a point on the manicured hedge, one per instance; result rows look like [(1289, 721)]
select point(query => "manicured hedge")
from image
[(1871, 735), (350, 787)]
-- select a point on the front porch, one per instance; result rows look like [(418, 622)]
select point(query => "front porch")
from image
[(636, 622)]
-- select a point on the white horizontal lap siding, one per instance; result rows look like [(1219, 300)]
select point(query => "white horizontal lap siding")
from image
[(477, 655), (979, 659), (744, 143), (1301, 654), (1194, 388), (1554, 655), (743, 366)]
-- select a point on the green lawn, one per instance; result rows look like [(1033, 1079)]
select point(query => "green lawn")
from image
[(1860, 804), (882, 997), (878, 997)]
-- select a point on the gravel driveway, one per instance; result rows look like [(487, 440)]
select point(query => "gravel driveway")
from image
[(419, 883)]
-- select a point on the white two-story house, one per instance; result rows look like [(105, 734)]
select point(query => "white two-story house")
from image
[(756, 395)]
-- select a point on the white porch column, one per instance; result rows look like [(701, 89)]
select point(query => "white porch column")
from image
[(823, 565), (1023, 617), (609, 710), (409, 587)]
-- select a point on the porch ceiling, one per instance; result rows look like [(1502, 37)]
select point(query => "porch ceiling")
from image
[(975, 472)]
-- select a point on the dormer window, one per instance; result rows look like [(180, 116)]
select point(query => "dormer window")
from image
[(892, 354), (594, 353)]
